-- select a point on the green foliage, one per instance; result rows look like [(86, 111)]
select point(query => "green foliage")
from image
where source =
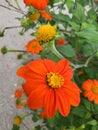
[(16, 127), (66, 50)]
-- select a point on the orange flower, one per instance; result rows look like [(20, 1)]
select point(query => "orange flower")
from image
[(46, 15), (37, 4), (35, 16), (48, 85), (33, 46), (60, 41), (18, 93), (91, 90), (27, 2), (17, 120)]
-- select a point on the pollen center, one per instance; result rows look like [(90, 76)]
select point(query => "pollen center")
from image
[(95, 89), (54, 80)]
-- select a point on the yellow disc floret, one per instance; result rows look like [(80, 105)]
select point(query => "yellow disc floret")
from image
[(95, 89), (17, 120), (46, 33), (54, 80)]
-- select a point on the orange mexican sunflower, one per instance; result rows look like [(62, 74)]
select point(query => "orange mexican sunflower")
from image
[(48, 85), (46, 15), (27, 2), (40, 4), (18, 93), (91, 90), (35, 16), (17, 120), (33, 46)]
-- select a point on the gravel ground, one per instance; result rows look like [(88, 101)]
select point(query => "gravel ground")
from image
[(8, 67)]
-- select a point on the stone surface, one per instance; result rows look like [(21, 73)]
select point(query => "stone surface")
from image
[(8, 67)]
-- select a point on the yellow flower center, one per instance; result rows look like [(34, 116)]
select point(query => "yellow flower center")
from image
[(54, 80), (95, 89), (17, 120), (45, 33), (34, 44)]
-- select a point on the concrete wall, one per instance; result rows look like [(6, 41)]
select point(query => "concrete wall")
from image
[(9, 65)]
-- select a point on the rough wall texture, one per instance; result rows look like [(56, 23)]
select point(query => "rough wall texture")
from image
[(8, 67)]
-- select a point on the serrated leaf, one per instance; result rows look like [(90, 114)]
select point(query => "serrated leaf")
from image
[(78, 13), (66, 50), (87, 104), (89, 48), (92, 122), (88, 34), (53, 57)]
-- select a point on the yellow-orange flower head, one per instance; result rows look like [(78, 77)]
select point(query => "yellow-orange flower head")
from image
[(46, 33), (49, 86)]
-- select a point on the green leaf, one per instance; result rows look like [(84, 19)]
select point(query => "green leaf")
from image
[(92, 122), (1, 33), (87, 26), (89, 48), (50, 121), (35, 117), (74, 25), (79, 111), (87, 104), (53, 57), (78, 13), (88, 34), (16, 127), (66, 50)]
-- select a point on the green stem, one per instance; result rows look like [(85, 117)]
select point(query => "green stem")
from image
[(89, 59), (15, 51), (56, 52)]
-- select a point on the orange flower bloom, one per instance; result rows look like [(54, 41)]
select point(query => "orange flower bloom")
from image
[(49, 86), (27, 2), (40, 4), (37, 4), (35, 16), (60, 41), (33, 46), (17, 120), (46, 15), (18, 93), (91, 90)]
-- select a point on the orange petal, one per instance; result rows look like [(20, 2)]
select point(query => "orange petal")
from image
[(31, 85), (50, 103), (63, 68), (49, 64), (63, 104), (22, 71), (87, 84), (46, 15), (96, 99), (38, 67), (35, 99), (72, 91)]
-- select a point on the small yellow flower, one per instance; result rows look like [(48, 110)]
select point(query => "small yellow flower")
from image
[(46, 33), (17, 120)]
